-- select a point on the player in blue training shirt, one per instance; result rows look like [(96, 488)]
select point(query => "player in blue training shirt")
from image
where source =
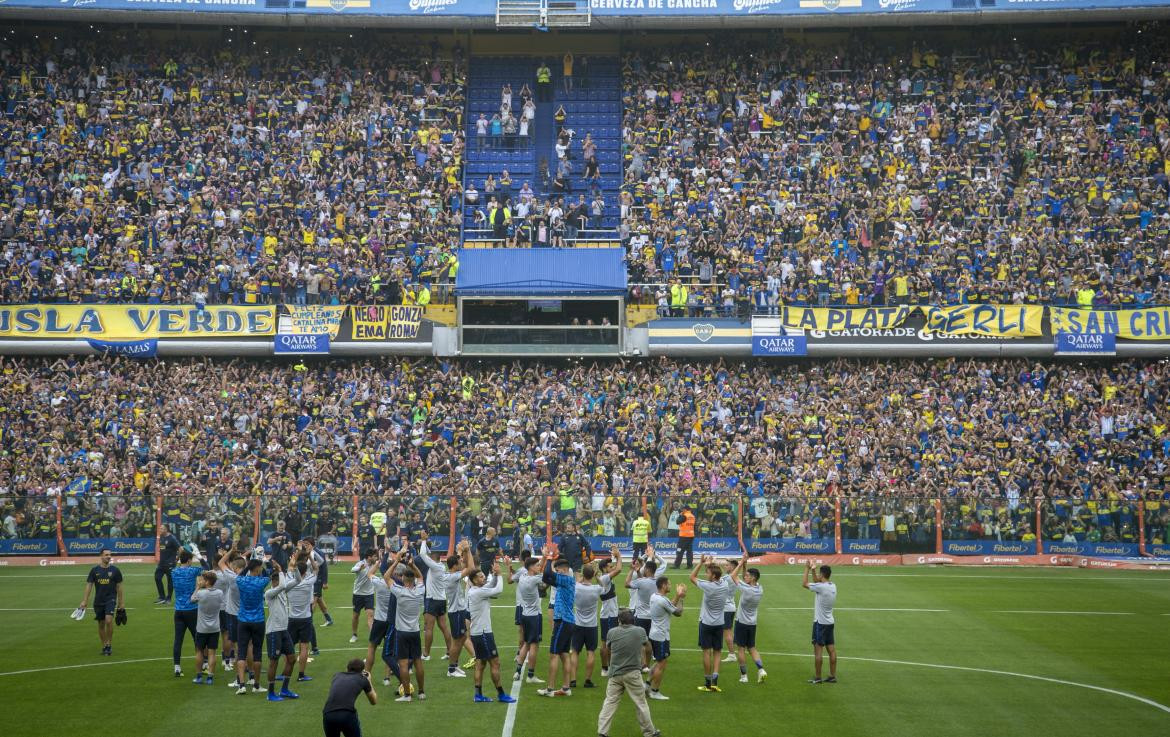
[(250, 636), (186, 611), (560, 575)]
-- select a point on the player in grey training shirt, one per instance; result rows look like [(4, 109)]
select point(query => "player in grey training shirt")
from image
[(300, 606), (363, 591), (231, 564), (479, 596), (729, 611), (710, 619), (409, 597), (640, 580), (609, 605), (823, 622), (210, 601), (445, 584), (528, 581), (661, 610), (750, 593), (276, 630)]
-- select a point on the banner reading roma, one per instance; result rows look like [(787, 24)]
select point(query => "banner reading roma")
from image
[(832, 319), (1001, 321), (315, 319), (1148, 324), (135, 322), (385, 322)]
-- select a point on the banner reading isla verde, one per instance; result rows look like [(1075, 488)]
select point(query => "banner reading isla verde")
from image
[(135, 322)]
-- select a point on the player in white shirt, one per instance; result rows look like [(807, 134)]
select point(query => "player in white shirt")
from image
[(750, 593), (528, 581), (586, 602), (609, 611), (435, 607), (446, 581), (300, 607), (363, 591), (640, 580), (661, 610), (479, 600), (822, 636), (383, 599), (729, 613), (408, 596), (710, 619)]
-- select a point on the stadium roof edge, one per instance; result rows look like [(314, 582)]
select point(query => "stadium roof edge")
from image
[(601, 23)]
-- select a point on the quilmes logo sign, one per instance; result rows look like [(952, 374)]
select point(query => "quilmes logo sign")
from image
[(896, 5), (431, 6), (755, 6)]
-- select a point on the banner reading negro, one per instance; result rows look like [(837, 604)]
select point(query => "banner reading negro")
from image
[(385, 322), (135, 322)]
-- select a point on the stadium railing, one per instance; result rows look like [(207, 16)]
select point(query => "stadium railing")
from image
[(727, 522)]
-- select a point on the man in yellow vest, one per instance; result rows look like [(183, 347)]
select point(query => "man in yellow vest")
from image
[(543, 83), (640, 532), (424, 295), (1085, 297), (678, 299)]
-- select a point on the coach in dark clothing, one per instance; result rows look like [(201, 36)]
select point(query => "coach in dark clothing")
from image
[(168, 553), (340, 712), (573, 546)]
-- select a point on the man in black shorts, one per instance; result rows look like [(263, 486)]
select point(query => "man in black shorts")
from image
[(105, 580), (210, 600), (339, 716), (168, 554)]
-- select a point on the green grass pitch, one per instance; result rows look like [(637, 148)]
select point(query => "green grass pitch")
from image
[(945, 651)]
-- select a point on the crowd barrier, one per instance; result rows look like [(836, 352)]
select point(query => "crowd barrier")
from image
[(770, 528)]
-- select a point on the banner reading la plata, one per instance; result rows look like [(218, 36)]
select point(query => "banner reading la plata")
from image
[(1001, 321), (135, 322), (315, 319), (831, 319), (1148, 324)]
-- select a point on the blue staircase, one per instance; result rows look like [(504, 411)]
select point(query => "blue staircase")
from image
[(593, 107)]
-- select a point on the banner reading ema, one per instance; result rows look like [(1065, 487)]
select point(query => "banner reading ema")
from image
[(135, 322), (834, 319), (1001, 321), (386, 322), (315, 319), (1148, 324)]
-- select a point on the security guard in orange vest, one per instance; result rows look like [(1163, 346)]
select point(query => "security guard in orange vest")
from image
[(686, 537)]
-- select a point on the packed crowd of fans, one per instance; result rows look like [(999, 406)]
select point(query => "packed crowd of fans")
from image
[(205, 438), (881, 170), (139, 171)]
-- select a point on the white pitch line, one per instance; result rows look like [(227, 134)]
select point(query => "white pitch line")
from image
[(53, 609), (849, 609), (929, 576), (1060, 681), (1036, 611), (510, 717), (510, 720)]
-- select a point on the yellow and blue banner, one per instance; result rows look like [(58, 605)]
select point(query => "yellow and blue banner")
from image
[(135, 322), (313, 320), (1147, 324), (1000, 321), (385, 322), (834, 319)]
